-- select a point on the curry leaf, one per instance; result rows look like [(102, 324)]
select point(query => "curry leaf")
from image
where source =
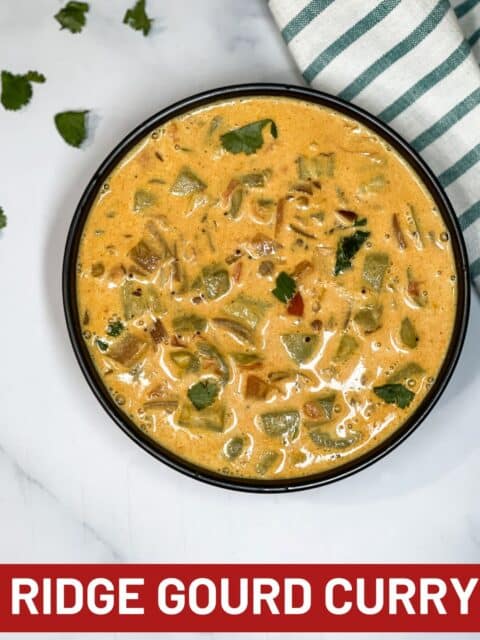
[(17, 89), (72, 16), (347, 248), (395, 394), (72, 126), (285, 288), (203, 393), (3, 219), (137, 18), (247, 139)]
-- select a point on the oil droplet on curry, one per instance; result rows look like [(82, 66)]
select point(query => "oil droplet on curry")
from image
[(266, 288)]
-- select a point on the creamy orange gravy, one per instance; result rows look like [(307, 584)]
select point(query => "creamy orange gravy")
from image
[(180, 255)]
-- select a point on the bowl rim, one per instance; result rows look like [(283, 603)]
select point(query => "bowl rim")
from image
[(93, 377)]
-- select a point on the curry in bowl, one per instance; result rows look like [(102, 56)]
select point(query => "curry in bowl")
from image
[(266, 288)]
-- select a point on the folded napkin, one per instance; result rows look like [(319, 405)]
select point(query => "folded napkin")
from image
[(412, 63)]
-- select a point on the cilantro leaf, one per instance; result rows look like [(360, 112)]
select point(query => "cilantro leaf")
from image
[(247, 139), (203, 393), (286, 287), (72, 16), (347, 247), (115, 328), (137, 18), (3, 219), (101, 344), (17, 89), (395, 394), (71, 125)]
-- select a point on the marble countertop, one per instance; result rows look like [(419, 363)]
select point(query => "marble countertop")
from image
[(73, 488)]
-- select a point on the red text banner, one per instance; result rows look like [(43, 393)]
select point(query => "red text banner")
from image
[(239, 598)]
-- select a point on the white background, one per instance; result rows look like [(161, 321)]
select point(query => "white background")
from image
[(73, 488)]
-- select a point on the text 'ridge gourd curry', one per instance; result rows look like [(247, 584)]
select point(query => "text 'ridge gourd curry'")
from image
[(266, 288)]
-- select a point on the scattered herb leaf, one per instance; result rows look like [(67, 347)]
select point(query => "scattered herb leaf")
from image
[(137, 18), (347, 247), (3, 219), (71, 125), (233, 448), (115, 328), (285, 287), (17, 89), (72, 16), (395, 394), (247, 139), (203, 393)]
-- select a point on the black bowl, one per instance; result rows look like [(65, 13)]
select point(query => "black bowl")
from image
[(95, 381)]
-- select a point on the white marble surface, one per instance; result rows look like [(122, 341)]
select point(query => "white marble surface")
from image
[(73, 488)]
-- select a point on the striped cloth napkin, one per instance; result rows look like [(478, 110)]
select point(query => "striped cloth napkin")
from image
[(414, 64)]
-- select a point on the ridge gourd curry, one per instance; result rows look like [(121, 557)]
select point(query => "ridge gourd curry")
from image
[(266, 288)]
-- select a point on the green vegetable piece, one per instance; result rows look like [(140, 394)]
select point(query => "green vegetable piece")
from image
[(72, 16), (235, 203), (407, 372), (210, 352), (326, 441), (279, 423), (215, 281), (98, 269), (101, 344), (322, 165), (347, 248), (249, 310), (414, 227), (214, 125), (3, 219), (247, 139), (375, 266), (414, 289), (137, 18), (267, 460), (115, 328), (253, 179), (185, 360), (369, 318), (237, 329), (408, 334), (247, 359), (145, 257), (128, 349), (187, 183), (72, 126), (203, 393), (325, 404), (210, 418), (138, 299), (189, 323), (346, 348), (395, 394), (285, 287), (233, 448), (17, 89), (143, 199), (376, 184), (300, 346)]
